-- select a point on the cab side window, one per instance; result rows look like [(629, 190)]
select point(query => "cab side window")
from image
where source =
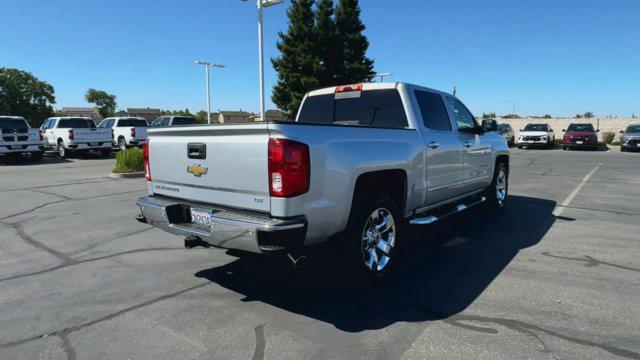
[(465, 121), (434, 114)]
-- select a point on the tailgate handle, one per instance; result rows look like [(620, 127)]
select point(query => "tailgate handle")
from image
[(197, 151)]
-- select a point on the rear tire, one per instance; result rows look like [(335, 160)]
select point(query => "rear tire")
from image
[(62, 151), (371, 239), (122, 143), (519, 146), (497, 192)]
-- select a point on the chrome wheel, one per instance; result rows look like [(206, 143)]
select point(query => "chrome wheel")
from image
[(501, 186), (378, 239), (61, 150), (122, 144)]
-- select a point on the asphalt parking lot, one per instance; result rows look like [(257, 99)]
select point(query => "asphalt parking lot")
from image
[(555, 276)]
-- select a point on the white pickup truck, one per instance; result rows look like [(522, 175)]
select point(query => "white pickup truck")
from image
[(126, 131), (75, 135), (359, 163), (19, 138)]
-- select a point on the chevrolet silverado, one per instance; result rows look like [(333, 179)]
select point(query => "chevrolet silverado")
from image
[(359, 163)]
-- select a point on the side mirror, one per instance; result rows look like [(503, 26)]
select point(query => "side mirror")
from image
[(565, 130), (551, 130), (621, 131), (520, 130), (598, 130)]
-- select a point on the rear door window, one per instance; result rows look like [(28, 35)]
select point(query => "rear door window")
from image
[(434, 113), (372, 108)]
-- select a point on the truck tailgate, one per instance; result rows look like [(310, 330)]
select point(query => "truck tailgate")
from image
[(221, 164), (92, 135)]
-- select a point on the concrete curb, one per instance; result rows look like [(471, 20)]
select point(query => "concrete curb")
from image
[(126, 175)]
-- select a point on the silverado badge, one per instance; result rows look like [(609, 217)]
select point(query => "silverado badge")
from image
[(197, 170)]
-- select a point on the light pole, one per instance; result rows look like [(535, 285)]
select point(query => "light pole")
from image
[(514, 106), (206, 74), (382, 75), (262, 4)]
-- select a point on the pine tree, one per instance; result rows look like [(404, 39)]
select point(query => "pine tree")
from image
[(326, 44), (355, 65), (297, 65)]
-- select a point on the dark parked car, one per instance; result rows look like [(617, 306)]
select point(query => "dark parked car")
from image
[(580, 136), (630, 139)]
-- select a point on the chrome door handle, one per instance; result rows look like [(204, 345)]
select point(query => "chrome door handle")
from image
[(433, 145), (467, 144)]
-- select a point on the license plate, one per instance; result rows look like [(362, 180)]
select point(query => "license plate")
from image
[(579, 142), (93, 144), (201, 217), (16, 147)]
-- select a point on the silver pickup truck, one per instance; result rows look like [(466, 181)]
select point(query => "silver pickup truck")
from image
[(360, 161)]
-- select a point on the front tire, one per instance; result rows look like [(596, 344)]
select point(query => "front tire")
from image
[(372, 238), (497, 192)]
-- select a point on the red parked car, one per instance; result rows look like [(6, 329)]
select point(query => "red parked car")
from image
[(580, 136)]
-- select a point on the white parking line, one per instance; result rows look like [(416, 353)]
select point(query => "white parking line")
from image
[(560, 208)]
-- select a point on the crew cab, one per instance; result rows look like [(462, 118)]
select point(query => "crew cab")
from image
[(357, 164), (580, 136), (126, 132), (540, 135), (19, 138), (164, 121), (630, 138), (75, 135)]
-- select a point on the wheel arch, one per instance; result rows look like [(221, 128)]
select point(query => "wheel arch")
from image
[(391, 183)]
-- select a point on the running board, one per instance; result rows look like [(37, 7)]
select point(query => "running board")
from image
[(458, 208)]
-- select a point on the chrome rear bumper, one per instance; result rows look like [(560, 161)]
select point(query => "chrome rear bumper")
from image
[(230, 229)]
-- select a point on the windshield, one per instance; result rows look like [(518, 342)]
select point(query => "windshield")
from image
[(184, 121), (535, 127), (375, 108), (132, 122), (13, 124), (633, 129), (580, 128), (77, 123)]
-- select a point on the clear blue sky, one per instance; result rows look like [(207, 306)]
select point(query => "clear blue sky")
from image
[(547, 56)]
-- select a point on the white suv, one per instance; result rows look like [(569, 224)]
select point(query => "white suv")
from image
[(126, 131), (536, 135)]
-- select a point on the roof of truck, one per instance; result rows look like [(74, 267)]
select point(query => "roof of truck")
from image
[(373, 86)]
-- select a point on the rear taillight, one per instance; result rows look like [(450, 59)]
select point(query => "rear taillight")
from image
[(288, 168), (133, 132), (145, 156), (41, 135), (71, 135)]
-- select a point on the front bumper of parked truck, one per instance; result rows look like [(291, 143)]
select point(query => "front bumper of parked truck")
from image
[(229, 229)]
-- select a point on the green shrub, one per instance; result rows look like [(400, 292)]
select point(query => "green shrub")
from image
[(128, 161), (608, 136)]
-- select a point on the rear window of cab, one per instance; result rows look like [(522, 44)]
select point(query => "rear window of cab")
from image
[(371, 108)]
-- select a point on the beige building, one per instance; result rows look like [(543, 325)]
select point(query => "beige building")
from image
[(81, 112), (275, 115), (146, 113), (229, 117)]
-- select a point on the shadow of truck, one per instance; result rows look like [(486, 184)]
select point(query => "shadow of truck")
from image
[(444, 268)]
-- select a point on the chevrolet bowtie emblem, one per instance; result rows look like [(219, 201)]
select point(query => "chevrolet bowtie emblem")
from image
[(197, 170)]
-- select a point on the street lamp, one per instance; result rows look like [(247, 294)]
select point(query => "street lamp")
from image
[(514, 106), (206, 74), (382, 75), (262, 4)]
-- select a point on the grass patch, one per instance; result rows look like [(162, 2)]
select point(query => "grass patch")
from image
[(129, 161)]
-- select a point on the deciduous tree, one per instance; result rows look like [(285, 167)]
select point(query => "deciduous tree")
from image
[(22, 94), (105, 103)]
